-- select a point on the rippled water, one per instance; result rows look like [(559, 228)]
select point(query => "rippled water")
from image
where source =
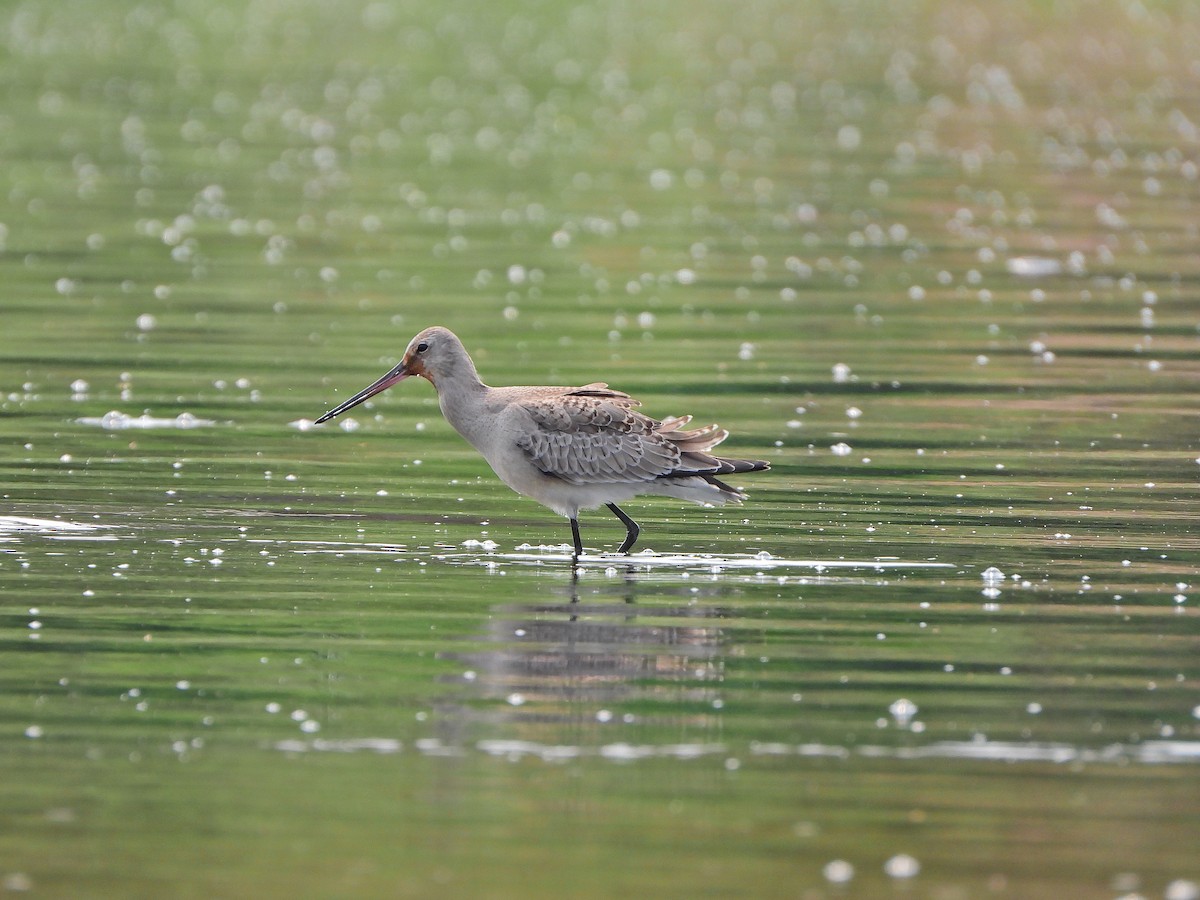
[(935, 263)]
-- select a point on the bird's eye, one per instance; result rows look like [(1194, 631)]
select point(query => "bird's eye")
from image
[(422, 347)]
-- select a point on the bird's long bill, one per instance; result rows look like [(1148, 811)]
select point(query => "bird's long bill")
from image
[(397, 374)]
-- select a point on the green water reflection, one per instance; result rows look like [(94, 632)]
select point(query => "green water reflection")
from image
[(935, 263)]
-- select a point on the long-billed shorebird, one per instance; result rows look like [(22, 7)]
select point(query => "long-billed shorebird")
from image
[(569, 448)]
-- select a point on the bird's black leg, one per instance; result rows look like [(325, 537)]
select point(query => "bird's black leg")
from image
[(575, 535), (631, 528)]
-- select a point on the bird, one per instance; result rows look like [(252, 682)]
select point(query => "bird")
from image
[(569, 448)]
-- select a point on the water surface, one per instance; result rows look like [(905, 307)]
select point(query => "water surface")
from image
[(936, 264)]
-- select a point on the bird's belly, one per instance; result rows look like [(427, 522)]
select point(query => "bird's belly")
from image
[(563, 497)]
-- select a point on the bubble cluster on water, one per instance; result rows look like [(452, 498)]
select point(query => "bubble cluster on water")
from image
[(903, 711), (838, 871), (901, 866)]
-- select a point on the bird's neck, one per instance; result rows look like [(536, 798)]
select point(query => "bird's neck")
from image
[(462, 397)]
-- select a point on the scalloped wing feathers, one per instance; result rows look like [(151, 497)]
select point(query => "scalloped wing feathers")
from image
[(593, 434)]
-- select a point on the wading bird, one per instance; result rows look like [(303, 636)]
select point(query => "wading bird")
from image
[(569, 448)]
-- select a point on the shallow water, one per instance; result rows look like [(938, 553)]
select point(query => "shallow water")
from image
[(939, 268)]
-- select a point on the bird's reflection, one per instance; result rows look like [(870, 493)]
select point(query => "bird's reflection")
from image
[(597, 649)]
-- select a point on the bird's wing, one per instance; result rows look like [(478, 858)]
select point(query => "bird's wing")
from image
[(592, 434), (600, 389)]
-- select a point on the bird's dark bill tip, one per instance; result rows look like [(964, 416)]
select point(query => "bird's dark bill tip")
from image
[(397, 374)]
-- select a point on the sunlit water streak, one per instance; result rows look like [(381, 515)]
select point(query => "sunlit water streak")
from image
[(648, 561), (14, 528), (612, 563), (119, 421), (1148, 753), (27, 525)]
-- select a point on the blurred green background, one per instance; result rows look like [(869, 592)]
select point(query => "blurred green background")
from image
[(936, 261)]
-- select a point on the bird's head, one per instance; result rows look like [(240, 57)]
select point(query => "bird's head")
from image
[(435, 354)]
